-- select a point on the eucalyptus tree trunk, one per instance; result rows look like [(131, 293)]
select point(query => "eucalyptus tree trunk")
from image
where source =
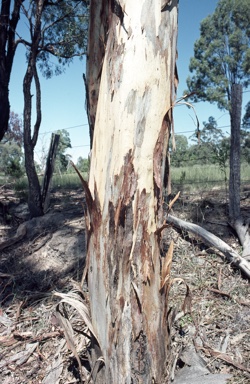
[(29, 137), (30, 140), (125, 268), (98, 34), (241, 224), (234, 179)]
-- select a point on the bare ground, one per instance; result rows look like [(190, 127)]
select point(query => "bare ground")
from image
[(52, 252)]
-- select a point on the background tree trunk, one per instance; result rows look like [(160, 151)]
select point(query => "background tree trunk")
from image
[(125, 268), (97, 39), (234, 179), (50, 164), (7, 52), (241, 224), (30, 138)]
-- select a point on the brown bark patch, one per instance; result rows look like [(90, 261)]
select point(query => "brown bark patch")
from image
[(160, 157)]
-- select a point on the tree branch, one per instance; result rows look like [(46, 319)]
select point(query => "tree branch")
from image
[(212, 240)]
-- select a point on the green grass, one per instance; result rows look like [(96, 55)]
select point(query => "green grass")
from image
[(68, 180), (201, 177), (204, 176)]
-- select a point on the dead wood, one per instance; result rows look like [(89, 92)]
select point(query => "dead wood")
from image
[(49, 171), (21, 232), (241, 302), (220, 355), (242, 229), (212, 240)]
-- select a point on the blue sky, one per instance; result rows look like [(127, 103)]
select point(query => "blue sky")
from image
[(63, 97)]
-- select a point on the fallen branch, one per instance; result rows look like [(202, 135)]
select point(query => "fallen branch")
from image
[(241, 227), (242, 302), (222, 356), (212, 240), (21, 232)]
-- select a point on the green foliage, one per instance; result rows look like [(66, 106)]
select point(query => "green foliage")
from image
[(15, 130), (246, 117), (211, 147), (245, 134), (82, 165), (222, 53), (180, 154), (64, 34), (213, 140), (245, 139), (11, 159), (11, 155), (62, 158)]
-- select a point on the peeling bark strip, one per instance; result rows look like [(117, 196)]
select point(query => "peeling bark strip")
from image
[(132, 125), (98, 33)]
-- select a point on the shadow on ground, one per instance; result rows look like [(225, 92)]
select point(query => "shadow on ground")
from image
[(51, 252)]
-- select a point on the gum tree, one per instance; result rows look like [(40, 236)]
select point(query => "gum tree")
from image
[(56, 28), (132, 74), (220, 70)]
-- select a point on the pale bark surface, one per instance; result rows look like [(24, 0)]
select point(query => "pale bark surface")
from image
[(124, 264)]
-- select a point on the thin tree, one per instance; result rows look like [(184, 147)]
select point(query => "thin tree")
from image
[(245, 134), (56, 28), (126, 273), (8, 44), (220, 70)]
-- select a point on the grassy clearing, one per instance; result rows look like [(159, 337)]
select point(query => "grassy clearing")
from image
[(204, 176), (197, 177), (66, 181)]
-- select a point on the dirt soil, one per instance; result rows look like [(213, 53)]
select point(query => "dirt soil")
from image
[(50, 253)]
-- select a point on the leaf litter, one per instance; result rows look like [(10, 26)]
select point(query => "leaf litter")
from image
[(210, 334)]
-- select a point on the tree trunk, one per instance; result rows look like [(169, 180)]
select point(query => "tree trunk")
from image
[(125, 268), (30, 140), (50, 164), (98, 34), (35, 197), (239, 223), (234, 179), (7, 52), (4, 105)]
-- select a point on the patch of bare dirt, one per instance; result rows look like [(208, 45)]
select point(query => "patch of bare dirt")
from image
[(52, 252)]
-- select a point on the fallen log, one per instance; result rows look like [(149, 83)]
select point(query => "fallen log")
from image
[(21, 233), (214, 241)]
